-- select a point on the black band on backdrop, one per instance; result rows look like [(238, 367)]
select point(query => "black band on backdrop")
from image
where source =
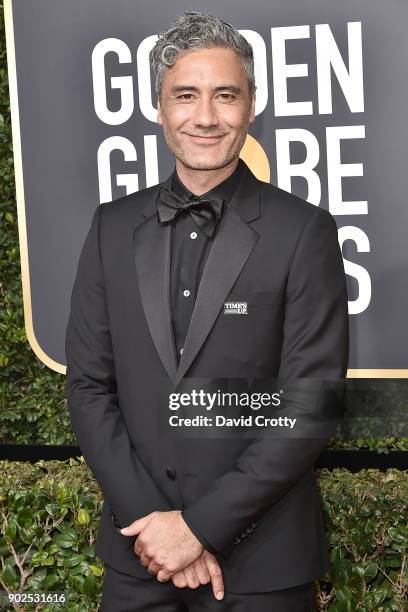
[(353, 460)]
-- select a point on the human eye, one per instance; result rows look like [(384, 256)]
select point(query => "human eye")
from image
[(227, 97), (185, 97)]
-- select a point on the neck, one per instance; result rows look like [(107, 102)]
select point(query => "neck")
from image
[(201, 181)]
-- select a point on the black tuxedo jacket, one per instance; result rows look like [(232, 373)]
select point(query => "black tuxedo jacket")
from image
[(253, 501)]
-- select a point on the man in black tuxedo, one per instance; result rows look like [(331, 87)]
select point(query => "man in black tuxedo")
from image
[(158, 275)]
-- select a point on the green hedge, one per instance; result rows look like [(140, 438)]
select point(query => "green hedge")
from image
[(50, 510), (32, 404)]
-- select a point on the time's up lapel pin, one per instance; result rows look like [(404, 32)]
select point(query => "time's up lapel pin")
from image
[(240, 308)]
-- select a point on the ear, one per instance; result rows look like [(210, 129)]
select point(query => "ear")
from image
[(252, 113), (159, 114)]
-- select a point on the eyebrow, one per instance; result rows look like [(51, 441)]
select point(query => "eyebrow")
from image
[(231, 88)]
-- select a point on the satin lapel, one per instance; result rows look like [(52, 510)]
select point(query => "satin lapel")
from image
[(232, 246), (151, 245)]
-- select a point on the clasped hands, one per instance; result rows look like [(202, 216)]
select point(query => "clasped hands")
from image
[(167, 547)]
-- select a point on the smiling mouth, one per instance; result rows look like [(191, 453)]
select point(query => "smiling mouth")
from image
[(206, 138)]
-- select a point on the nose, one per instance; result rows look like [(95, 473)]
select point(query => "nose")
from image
[(205, 115)]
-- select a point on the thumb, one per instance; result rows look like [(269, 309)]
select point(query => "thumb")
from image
[(137, 526)]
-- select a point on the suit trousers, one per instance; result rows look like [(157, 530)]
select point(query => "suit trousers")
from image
[(124, 593)]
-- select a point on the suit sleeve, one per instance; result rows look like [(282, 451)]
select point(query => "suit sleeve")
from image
[(315, 345), (92, 394)]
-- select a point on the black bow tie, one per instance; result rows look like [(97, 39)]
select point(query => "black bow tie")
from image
[(205, 213)]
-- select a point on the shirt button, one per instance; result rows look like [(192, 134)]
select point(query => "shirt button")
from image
[(193, 235), (186, 293)]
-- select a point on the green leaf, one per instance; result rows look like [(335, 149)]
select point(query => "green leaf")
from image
[(53, 509), (11, 528), (9, 575), (52, 549), (25, 518), (345, 599), (73, 560), (38, 557), (50, 581), (97, 570), (63, 540), (371, 571), (50, 560), (83, 517), (398, 535), (90, 584)]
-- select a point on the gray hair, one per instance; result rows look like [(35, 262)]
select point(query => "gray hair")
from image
[(197, 30)]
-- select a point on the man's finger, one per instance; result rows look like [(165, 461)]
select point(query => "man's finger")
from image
[(179, 580), (144, 560), (137, 547), (153, 568), (201, 570), (137, 526), (216, 575), (191, 576), (164, 576)]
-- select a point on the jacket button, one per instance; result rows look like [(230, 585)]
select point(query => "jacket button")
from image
[(115, 520), (171, 473)]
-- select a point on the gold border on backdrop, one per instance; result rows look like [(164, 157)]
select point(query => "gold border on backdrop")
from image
[(18, 172), (261, 172)]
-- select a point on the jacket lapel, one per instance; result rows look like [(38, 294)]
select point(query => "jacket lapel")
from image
[(233, 243), (151, 245)]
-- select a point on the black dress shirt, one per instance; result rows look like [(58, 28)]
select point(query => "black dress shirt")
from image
[(189, 252)]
